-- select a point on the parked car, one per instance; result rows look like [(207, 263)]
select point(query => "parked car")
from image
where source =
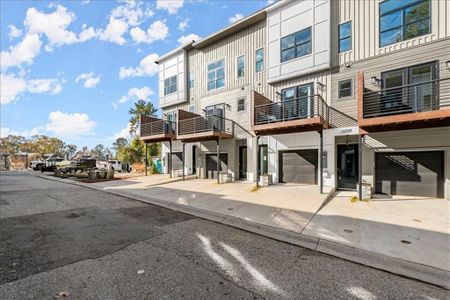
[(50, 164), (119, 166)]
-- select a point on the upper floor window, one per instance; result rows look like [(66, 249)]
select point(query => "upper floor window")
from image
[(216, 75), (191, 80), (259, 60), (345, 88), (241, 104), (345, 36), (296, 45), (170, 85), (403, 19), (240, 65)]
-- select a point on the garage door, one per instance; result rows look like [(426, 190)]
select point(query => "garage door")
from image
[(177, 160), (298, 166), (410, 173), (211, 164)]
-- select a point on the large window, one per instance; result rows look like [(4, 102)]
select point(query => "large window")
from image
[(259, 60), (298, 101), (216, 75), (345, 36), (296, 45), (240, 66), (404, 19), (170, 85)]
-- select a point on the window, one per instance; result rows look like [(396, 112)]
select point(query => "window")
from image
[(419, 94), (216, 75), (259, 60), (296, 45), (298, 101), (170, 85), (171, 116), (191, 80), (192, 108), (240, 66), (403, 20), (345, 36), (345, 88), (219, 111), (241, 104)]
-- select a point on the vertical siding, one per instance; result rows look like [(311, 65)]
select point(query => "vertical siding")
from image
[(364, 15)]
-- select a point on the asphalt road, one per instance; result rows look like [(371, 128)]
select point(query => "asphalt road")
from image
[(57, 237)]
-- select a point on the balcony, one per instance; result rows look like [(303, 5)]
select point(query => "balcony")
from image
[(156, 130), (419, 105), (295, 115), (194, 128)]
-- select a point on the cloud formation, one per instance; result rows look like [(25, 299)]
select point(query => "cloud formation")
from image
[(135, 94), (235, 18), (187, 39), (172, 6), (66, 125), (147, 67), (90, 80)]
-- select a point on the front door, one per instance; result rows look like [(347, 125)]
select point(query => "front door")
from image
[(194, 159), (347, 167), (243, 162)]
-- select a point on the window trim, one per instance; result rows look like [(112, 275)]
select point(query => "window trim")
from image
[(176, 85), (350, 88), (350, 36), (403, 25), (310, 41), (237, 67), (262, 61), (244, 106), (224, 75)]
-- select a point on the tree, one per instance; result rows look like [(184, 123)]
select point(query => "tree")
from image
[(140, 108), (11, 144), (98, 151), (120, 143), (71, 149)]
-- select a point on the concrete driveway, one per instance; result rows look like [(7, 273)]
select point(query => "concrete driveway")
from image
[(410, 228), (285, 206)]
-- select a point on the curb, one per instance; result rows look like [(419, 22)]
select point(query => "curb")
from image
[(382, 262)]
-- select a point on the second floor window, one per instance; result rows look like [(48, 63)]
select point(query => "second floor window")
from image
[(259, 60), (403, 20), (240, 66), (345, 88), (216, 75), (296, 45), (170, 85), (191, 80), (345, 36)]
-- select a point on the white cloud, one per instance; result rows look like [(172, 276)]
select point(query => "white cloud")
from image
[(53, 25), (23, 52), (172, 6), (235, 18), (158, 30), (90, 79), (123, 133), (12, 87), (183, 25), (87, 33), (135, 94), (114, 31), (147, 67), (5, 131), (133, 12), (188, 38), (14, 32), (270, 2), (84, 2), (68, 125)]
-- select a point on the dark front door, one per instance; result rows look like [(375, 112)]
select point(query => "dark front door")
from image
[(211, 165), (242, 162), (298, 166), (347, 167), (194, 159), (410, 173)]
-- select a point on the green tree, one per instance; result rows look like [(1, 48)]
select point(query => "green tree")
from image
[(140, 108), (71, 149), (120, 143), (98, 151)]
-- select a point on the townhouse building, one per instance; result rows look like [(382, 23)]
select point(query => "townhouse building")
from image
[(333, 93)]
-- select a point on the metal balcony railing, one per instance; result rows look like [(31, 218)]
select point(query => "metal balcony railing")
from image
[(288, 110), (205, 124), (157, 128), (420, 97)]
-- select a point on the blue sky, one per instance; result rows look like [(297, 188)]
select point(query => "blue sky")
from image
[(72, 69)]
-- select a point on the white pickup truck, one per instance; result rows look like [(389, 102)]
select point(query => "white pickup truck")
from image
[(118, 166)]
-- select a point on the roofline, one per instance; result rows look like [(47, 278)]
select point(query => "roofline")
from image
[(224, 32)]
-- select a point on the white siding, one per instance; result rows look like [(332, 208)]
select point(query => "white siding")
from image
[(173, 66)]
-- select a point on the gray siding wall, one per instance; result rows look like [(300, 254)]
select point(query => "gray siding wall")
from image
[(364, 15), (435, 51)]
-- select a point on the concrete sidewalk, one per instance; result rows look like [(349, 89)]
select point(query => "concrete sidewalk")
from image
[(389, 235)]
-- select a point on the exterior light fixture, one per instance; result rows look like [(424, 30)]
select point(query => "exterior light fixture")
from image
[(448, 64), (375, 80)]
